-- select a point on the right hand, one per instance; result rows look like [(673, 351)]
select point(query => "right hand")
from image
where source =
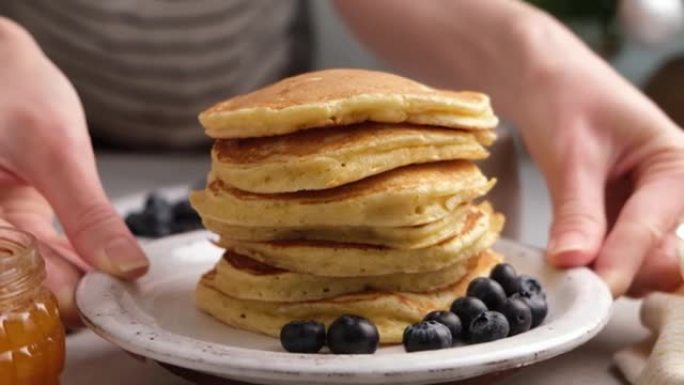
[(47, 163)]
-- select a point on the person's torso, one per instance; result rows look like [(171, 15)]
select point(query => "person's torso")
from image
[(145, 68)]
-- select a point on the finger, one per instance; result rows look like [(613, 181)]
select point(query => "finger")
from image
[(579, 222), (26, 209), (645, 220), (63, 247), (660, 270), (62, 279), (62, 276), (95, 230)]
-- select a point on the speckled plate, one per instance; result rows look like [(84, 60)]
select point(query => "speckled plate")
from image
[(155, 317)]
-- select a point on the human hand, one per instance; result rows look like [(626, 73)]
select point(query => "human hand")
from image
[(614, 164), (595, 137), (46, 163)]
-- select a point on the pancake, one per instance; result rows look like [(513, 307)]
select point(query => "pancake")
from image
[(245, 278), (332, 259), (407, 237), (407, 196), (340, 97), (390, 312), (330, 157)]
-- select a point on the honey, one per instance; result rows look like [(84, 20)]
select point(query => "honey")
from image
[(31, 334)]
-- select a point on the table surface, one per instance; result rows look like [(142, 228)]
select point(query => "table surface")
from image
[(93, 360)]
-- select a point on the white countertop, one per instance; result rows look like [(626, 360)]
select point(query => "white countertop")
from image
[(91, 360)]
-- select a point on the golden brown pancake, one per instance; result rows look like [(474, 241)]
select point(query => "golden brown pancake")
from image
[(245, 278), (390, 312), (339, 97), (334, 259), (406, 196), (406, 237), (330, 157)]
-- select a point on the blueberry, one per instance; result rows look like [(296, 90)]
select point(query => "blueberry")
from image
[(536, 303), (427, 335), (154, 220), (183, 212), (518, 314), (156, 205), (488, 290), (183, 227), (467, 308), (448, 319), (351, 334), (185, 218), (488, 326), (303, 336), (146, 225), (136, 223), (506, 276), (530, 285)]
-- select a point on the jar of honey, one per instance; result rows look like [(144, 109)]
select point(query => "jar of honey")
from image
[(31, 334)]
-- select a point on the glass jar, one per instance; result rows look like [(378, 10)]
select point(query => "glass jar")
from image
[(31, 334)]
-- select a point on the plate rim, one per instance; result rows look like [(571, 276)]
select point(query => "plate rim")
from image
[(237, 363)]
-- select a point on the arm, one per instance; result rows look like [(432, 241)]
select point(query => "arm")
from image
[(498, 46), (46, 163), (594, 136)]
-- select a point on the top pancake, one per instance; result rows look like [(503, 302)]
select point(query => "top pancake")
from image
[(329, 157), (340, 97)]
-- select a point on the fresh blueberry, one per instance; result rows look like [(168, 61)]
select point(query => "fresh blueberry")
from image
[(467, 308), (427, 335), (183, 227), (351, 334), (302, 336), (488, 326), (507, 277), (183, 212), (518, 314), (154, 220), (447, 319), (136, 223), (147, 225), (488, 290), (156, 205), (536, 303), (530, 285)]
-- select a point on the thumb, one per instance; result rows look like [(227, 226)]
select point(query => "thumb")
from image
[(68, 179), (579, 220)]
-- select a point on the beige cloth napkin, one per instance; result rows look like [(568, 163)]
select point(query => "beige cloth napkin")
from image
[(660, 359)]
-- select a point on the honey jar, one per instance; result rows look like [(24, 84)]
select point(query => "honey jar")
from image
[(31, 334)]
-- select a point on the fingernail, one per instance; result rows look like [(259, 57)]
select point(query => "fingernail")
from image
[(126, 258), (573, 241)]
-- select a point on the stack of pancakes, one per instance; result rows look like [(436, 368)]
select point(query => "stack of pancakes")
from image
[(346, 192)]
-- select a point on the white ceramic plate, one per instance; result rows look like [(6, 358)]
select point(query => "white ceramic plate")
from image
[(155, 317)]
